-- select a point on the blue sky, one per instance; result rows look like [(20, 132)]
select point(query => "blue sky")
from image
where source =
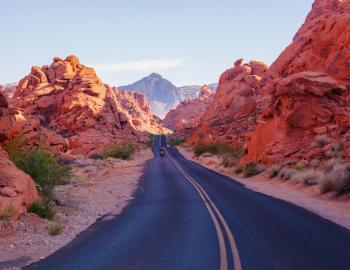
[(188, 42)]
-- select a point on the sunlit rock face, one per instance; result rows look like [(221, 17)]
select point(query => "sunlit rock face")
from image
[(68, 105), (186, 116), (232, 114), (308, 90)]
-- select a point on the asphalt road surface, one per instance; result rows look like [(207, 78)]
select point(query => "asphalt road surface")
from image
[(185, 216)]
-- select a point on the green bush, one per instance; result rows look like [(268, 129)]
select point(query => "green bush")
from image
[(173, 142), (252, 169), (42, 208), (213, 148), (54, 229), (41, 164), (96, 156), (122, 151)]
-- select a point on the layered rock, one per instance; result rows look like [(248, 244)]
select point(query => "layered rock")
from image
[(308, 89), (186, 116), (68, 105), (138, 111), (17, 189), (233, 113)]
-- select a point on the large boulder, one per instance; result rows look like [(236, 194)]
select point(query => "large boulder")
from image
[(306, 90), (232, 114)]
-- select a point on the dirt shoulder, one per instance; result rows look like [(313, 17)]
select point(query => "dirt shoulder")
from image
[(100, 187), (327, 206)]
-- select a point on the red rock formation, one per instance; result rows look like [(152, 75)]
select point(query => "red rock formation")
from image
[(308, 86), (17, 189), (67, 104), (138, 112), (186, 116), (232, 114)]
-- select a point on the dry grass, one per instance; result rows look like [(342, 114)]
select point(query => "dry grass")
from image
[(309, 177)]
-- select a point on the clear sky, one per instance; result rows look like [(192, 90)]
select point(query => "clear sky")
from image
[(188, 42)]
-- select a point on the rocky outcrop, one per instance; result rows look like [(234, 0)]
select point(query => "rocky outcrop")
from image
[(308, 89), (186, 116), (17, 189), (68, 105), (138, 112), (233, 113), (162, 94)]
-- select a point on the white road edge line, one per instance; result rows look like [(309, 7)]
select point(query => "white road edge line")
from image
[(202, 192)]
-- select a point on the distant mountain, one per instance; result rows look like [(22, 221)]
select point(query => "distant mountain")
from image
[(162, 94), (8, 89)]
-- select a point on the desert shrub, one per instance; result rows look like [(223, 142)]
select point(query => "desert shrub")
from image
[(173, 142), (122, 151), (327, 184), (55, 229), (150, 141), (212, 148), (308, 178), (286, 173), (252, 169), (238, 170), (273, 171), (232, 156), (321, 140), (96, 156), (8, 213), (336, 150), (336, 178), (42, 208), (41, 164)]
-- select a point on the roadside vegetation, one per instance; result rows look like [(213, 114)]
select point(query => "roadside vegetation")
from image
[(150, 141), (122, 151), (173, 142), (330, 174), (55, 229), (8, 213), (45, 169)]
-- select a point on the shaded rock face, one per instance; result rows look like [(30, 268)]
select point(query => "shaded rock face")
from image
[(17, 189), (232, 114), (308, 89), (68, 105), (186, 116), (138, 112)]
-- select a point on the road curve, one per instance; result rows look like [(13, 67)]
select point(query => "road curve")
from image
[(185, 216)]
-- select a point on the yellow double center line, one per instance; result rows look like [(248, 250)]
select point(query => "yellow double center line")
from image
[(211, 207)]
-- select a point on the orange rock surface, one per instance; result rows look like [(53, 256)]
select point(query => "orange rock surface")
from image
[(232, 114), (186, 116), (308, 90), (68, 105)]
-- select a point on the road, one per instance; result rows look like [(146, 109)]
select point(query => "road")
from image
[(185, 216)]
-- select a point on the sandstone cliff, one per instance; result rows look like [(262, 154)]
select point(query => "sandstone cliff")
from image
[(232, 115), (187, 114), (308, 89)]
